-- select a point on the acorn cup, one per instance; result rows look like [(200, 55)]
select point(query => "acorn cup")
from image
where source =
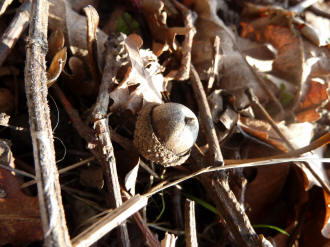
[(165, 133)]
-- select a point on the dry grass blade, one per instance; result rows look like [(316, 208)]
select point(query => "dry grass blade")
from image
[(110, 221)]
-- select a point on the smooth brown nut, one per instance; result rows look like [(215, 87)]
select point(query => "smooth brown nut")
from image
[(165, 133)]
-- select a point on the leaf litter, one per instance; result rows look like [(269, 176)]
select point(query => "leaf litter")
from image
[(282, 56)]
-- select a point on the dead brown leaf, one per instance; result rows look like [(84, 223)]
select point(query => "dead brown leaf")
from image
[(143, 81), (20, 221), (315, 97), (156, 16)]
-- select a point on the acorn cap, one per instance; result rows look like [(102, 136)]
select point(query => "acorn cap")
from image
[(155, 148)]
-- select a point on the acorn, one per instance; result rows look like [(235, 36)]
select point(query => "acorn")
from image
[(165, 133)]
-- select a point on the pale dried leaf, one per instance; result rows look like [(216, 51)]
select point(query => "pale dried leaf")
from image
[(142, 83), (130, 179), (169, 240)]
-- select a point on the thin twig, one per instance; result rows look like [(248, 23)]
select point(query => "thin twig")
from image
[(204, 108), (101, 127), (20, 172), (84, 131), (150, 238), (300, 7), (319, 12), (190, 224), (61, 171), (14, 30), (230, 209), (291, 147), (49, 190), (184, 70)]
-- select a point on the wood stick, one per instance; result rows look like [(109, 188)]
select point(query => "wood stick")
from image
[(49, 190), (101, 127), (229, 208)]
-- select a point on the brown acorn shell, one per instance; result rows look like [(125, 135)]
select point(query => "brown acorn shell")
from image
[(149, 145)]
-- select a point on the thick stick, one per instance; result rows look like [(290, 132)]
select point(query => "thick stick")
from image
[(229, 208), (49, 190)]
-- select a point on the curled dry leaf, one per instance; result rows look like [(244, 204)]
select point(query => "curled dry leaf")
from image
[(56, 67), (20, 221), (55, 42), (75, 29), (290, 59), (142, 82), (92, 24), (156, 16)]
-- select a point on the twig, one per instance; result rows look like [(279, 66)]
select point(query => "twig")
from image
[(151, 239), (110, 221), (184, 70), (49, 190), (84, 131), (269, 119), (14, 30), (319, 12), (190, 224), (61, 171), (300, 7), (204, 108), (101, 127), (20, 172), (230, 209)]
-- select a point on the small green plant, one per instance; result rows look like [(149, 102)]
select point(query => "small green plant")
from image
[(127, 24)]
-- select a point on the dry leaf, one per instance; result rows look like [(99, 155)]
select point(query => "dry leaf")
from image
[(316, 96), (75, 28), (92, 23), (20, 221), (6, 101), (55, 42), (56, 67), (156, 16), (143, 81), (169, 240), (236, 75), (326, 225)]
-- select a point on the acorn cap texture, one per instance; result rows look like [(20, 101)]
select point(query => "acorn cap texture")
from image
[(149, 145)]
